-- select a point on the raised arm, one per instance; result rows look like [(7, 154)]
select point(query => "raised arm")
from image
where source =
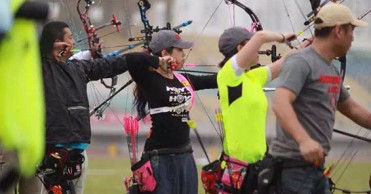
[(276, 66), (102, 68), (248, 54), (200, 82), (141, 65)]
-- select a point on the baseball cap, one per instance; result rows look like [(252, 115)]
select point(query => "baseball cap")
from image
[(333, 14), (166, 39), (231, 37)]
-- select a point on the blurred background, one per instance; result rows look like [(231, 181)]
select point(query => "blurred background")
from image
[(108, 151)]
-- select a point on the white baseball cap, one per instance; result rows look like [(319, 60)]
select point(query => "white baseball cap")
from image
[(333, 14)]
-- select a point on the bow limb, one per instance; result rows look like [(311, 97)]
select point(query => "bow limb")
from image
[(312, 15), (89, 28), (316, 5), (143, 6), (93, 40), (256, 25)]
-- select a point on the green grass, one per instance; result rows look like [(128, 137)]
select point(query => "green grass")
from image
[(356, 176), (105, 175)]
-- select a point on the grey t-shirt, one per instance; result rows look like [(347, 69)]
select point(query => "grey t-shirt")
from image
[(318, 87)]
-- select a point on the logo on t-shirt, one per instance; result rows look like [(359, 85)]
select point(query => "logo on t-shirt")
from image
[(333, 83), (178, 96)]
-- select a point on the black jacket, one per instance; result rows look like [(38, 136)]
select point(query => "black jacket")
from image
[(66, 101)]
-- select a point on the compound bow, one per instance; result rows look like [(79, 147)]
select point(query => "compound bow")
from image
[(93, 40)]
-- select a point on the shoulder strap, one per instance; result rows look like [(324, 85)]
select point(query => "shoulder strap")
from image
[(187, 85)]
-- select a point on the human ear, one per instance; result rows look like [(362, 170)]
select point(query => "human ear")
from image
[(239, 47), (337, 31)]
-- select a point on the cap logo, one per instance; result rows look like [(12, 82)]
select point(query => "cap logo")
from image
[(177, 36)]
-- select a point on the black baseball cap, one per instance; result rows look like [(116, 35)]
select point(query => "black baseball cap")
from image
[(232, 37)]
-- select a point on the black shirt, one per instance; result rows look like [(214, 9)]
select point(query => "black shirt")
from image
[(169, 129)]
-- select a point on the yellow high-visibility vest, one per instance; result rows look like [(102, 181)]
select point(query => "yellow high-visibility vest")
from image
[(244, 108), (21, 93)]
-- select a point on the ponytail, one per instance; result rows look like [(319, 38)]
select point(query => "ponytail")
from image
[(227, 56)]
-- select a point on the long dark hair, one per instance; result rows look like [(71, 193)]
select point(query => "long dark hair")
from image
[(51, 32), (140, 100), (227, 56)]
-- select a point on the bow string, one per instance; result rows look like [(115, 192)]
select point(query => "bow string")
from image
[(93, 40)]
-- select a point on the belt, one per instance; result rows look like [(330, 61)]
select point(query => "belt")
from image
[(297, 163), (167, 151)]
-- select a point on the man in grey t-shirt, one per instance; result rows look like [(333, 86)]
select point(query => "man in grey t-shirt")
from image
[(309, 92), (317, 87)]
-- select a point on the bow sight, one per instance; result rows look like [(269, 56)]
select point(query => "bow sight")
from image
[(272, 52), (167, 27), (148, 30)]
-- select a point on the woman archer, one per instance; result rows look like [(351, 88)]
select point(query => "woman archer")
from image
[(169, 97)]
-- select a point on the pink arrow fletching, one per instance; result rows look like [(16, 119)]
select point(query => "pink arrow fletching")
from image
[(127, 125)]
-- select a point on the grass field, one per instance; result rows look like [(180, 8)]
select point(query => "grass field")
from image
[(105, 175)]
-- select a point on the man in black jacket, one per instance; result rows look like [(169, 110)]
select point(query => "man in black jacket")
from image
[(68, 130)]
